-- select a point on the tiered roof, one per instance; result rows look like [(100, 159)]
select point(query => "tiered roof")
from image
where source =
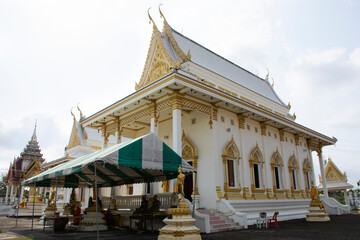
[(28, 163)]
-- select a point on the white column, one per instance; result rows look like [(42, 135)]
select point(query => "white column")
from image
[(11, 193), (21, 192), (118, 137), (346, 197), (7, 192), (322, 171), (176, 125), (267, 180), (176, 130), (154, 129), (153, 126)]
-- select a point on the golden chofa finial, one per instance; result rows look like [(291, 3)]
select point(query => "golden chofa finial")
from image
[(294, 116), (161, 14), (273, 82), (72, 114), (81, 115), (151, 17), (289, 105), (267, 74)]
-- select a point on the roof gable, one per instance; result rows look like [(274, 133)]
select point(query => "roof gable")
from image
[(333, 174)]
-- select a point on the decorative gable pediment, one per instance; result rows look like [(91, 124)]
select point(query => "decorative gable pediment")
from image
[(158, 61), (74, 138), (333, 174)]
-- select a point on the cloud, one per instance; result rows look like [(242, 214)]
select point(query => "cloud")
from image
[(355, 57)]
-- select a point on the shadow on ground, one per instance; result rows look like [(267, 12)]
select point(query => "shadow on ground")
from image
[(340, 227)]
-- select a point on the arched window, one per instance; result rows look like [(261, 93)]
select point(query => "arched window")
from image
[(277, 173), (307, 170), (231, 156), (293, 173), (256, 169), (189, 154)]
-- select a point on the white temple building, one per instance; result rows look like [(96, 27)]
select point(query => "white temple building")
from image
[(229, 124)]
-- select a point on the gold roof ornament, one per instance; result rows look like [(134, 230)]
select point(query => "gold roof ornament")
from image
[(72, 114), (151, 17), (81, 115), (294, 116), (188, 55), (273, 83), (267, 74), (289, 105), (161, 14)]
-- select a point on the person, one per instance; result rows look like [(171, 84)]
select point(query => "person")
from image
[(143, 207), (77, 213), (155, 205)]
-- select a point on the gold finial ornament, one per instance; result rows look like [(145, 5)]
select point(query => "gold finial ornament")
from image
[(267, 74), (177, 64), (289, 105), (179, 187), (294, 116), (151, 17), (273, 83), (81, 115), (72, 114), (161, 14), (188, 55)]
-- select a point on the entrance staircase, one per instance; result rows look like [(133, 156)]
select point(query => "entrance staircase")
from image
[(219, 222)]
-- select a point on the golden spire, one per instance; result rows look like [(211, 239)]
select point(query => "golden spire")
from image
[(81, 115)]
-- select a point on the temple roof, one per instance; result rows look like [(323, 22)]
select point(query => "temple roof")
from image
[(214, 62), (168, 50), (32, 150), (335, 179)]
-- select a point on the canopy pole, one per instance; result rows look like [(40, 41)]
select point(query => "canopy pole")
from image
[(96, 205), (193, 212), (32, 219), (55, 205)]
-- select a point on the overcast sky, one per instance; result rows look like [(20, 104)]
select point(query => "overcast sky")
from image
[(57, 54)]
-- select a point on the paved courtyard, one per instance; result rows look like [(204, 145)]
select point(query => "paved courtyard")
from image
[(340, 227)]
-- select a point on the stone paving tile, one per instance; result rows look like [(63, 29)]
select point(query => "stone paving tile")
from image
[(340, 227)]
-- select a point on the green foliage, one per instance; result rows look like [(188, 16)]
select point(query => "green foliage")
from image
[(1, 231), (2, 186), (339, 196)]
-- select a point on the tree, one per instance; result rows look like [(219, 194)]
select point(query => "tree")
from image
[(2, 186)]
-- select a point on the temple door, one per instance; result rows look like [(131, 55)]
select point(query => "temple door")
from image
[(188, 185)]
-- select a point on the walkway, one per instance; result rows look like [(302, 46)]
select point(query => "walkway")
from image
[(340, 227)]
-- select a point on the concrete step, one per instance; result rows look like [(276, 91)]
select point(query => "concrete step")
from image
[(219, 222)]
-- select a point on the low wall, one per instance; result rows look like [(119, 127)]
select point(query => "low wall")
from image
[(288, 208)]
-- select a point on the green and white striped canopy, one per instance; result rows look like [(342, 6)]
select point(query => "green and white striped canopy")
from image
[(145, 159)]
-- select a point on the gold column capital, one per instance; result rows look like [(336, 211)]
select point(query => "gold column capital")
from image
[(263, 129), (176, 101), (281, 135), (241, 120)]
